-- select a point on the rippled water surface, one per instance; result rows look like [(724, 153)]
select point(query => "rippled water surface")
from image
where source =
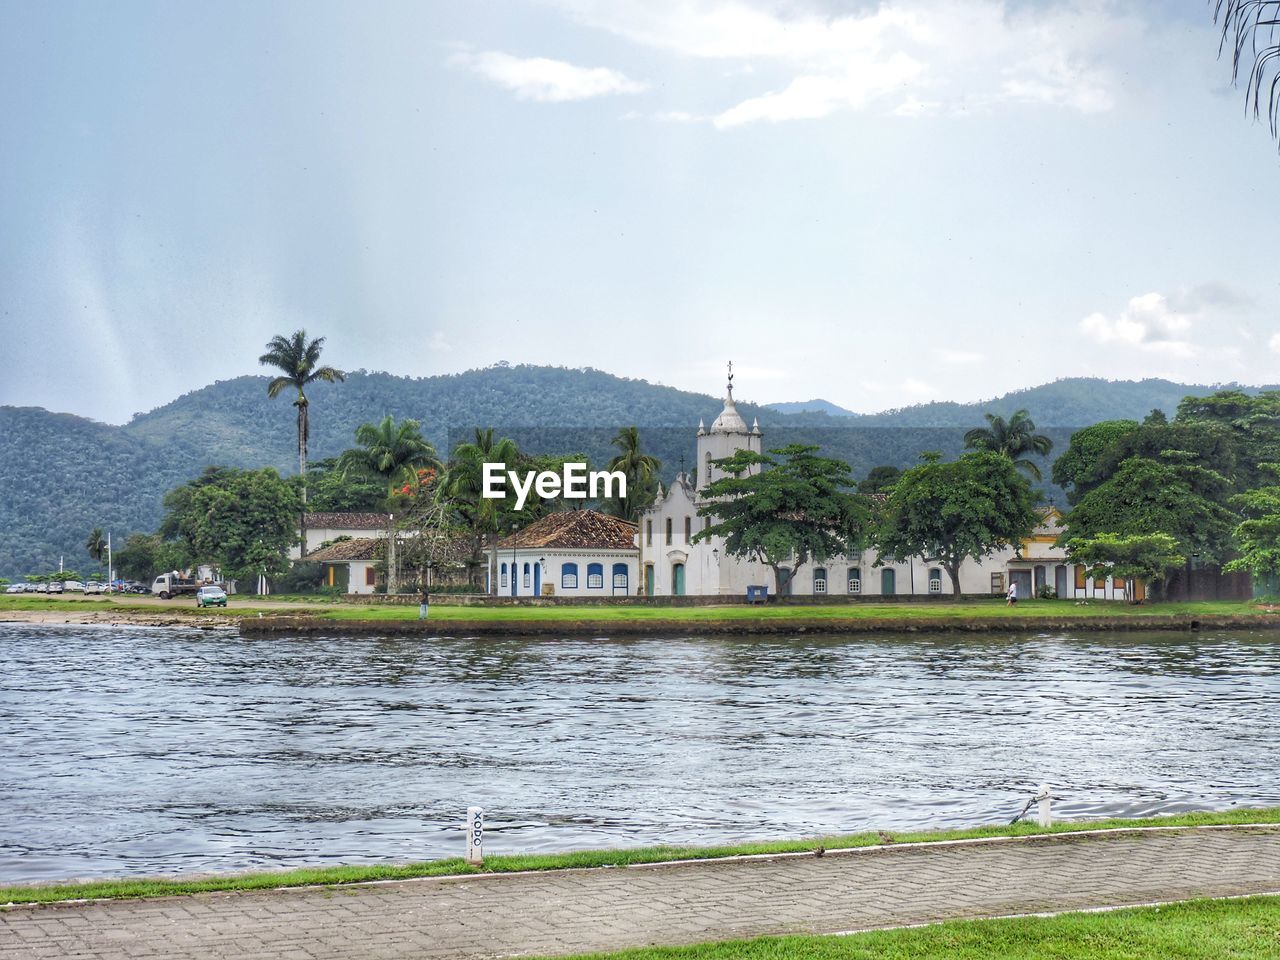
[(158, 751)]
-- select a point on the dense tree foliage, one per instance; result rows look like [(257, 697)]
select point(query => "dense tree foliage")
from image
[(1084, 464), (784, 509), (879, 479), (642, 471), (241, 521), (1258, 535), (947, 512)]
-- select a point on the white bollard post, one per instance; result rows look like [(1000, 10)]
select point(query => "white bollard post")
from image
[(1046, 814), (475, 835)]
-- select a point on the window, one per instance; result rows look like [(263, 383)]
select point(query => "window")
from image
[(595, 576), (820, 580), (648, 533), (525, 578), (568, 576), (935, 580), (855, 580), (1080, 576), (1118, 582), (620, 578), (503, 574), (688, 529), (370, 576), (668, 531)]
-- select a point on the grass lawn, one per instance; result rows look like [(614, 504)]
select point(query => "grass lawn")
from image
[(149, 887), (862, 610), (1246, 929)]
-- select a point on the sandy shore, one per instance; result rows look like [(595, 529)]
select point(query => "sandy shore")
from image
[(114, 618)]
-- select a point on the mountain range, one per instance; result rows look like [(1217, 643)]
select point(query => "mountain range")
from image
[(62, 475)]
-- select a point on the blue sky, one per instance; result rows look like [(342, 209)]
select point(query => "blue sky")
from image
[(874, 203)]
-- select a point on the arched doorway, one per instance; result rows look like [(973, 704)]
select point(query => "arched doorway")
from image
[(677, 579), (888, 582), (648, 579), (1060, 580), (537, 579)]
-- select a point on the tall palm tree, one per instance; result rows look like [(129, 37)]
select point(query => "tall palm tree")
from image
[(1013, 438), (96, 544), (297, 359), (463, 484), (1249, 31), (641, 470), (393, 452)]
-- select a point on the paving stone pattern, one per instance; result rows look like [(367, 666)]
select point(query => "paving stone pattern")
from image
[(582, 910)]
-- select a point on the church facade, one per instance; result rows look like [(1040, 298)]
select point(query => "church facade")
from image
[(672, 564)]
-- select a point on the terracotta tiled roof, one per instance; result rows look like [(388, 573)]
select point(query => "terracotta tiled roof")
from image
[(455, 549), (577, 529), (346, 550), (346, 521)]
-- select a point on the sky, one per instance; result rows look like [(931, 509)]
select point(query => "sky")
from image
[(874, 203)]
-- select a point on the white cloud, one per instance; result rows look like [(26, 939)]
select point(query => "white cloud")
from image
[(926, 54), (1274, 343), (1149, 322), (546, 80)]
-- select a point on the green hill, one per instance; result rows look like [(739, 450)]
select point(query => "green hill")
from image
[(61, 475)]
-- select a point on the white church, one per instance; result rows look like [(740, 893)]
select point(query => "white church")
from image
[(672, 564)]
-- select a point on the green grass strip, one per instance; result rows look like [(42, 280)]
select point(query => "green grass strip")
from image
[(510, 863), (1247, 929)]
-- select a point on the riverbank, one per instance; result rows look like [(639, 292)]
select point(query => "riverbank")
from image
[(257, 616)]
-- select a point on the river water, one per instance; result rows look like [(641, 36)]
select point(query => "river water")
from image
[(149, 751)]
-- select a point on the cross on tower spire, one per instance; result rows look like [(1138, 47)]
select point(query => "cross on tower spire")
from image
[(730, 379)]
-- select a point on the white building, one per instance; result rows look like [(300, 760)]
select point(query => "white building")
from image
[(673, 565), (326, 527), (578, 553)]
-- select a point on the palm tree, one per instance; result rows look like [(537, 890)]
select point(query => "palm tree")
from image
[(96, 544), (1013, 438), (641, 470), (393, 452), (297, 359), (1244, 24), (463, 484)]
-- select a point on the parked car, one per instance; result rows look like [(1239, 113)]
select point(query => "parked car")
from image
[(93, 586), (56, 586), (74, 586), (16, 588), (42, 588), (211, 597)]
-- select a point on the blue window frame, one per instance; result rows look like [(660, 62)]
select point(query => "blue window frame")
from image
[(595, 576), (503, 574), (621, 579), (568, 576), (526, 575)]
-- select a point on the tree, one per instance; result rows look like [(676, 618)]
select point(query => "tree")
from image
[(463, 485), (1144, 556), (96, 544), (1244, 24), (641, 470), (879, 479), (389, 451), (393, 452), (297, 359), (329, 491), (144, 555), (1089, 455), (1012, 438), (1145, 496), (239, 520), (784, 509), (1258, 535), (947, 512)]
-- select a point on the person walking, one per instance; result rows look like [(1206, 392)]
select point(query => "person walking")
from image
[(1013, 594)]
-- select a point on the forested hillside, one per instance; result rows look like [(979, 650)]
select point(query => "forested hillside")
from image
[(62, 475)]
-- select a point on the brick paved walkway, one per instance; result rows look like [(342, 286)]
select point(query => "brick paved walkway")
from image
[(573, 911)]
